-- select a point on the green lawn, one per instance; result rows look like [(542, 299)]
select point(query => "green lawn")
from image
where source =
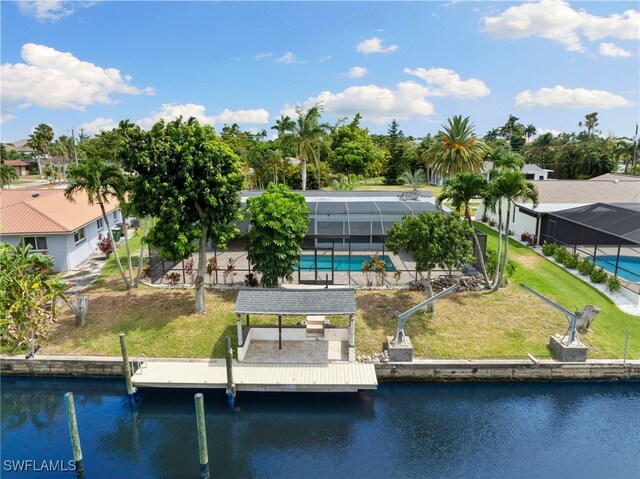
[(507, 324)]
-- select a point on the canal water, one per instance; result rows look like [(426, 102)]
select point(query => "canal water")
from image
[(566, 430)]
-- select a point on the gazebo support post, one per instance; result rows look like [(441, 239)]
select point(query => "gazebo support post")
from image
[(280, 330), (239, 325), (247, 320)]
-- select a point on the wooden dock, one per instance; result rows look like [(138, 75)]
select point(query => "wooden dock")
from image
[(205, 373)]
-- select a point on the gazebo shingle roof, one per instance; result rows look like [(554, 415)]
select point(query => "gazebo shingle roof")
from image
[(296, 301)]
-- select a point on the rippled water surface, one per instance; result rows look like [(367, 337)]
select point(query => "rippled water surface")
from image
[(424, 431)]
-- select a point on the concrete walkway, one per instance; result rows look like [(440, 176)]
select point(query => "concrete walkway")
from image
[(85, 274)]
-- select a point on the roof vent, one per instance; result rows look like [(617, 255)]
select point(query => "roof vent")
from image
[(616, 180), (35, 195)]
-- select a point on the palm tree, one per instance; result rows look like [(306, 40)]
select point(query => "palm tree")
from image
[(7, 175), (460, 190), (40, 141), (414, 179), (284, 125), (511, 186), (530, 131), (100, 181), (457, 149), (309, 133)]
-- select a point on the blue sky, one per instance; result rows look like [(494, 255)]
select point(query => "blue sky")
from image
[(91, 64)]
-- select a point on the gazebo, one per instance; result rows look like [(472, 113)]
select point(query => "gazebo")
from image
[(315, 333)]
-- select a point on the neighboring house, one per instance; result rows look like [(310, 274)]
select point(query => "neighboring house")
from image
[(531, 171), (559, 195), (21, 167), (20, 146), (51, 224), (534, 172)]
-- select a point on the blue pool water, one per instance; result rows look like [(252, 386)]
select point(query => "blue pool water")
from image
[(628, 266), (340, 262), (572, 430)]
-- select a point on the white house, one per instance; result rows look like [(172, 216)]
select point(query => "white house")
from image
[(558, 195), (531, 171), (49, 223)]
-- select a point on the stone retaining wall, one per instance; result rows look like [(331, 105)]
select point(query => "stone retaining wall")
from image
[(61, 366), (505, 370)]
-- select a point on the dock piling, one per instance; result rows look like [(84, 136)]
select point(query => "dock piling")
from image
[(202, 437), (73, 432), (127, 365)]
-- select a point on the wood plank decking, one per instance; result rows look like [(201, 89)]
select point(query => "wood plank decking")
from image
[(204, 373)]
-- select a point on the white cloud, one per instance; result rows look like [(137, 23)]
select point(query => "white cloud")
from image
[(561, 97), (356, 72), (445, 82), (375, 103), (288, 58), (51, 10), (6, 116), (556, 20), (170, 111), (612, 50), (374, 45), (99, 124), (544, 131), (58, 80), (262, 56)]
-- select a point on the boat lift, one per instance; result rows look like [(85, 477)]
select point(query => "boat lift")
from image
[(400, 337)]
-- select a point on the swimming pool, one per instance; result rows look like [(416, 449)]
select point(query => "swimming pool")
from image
[(340, 262), (628, 266)]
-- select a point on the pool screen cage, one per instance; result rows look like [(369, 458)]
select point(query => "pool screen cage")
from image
[(608, 234)]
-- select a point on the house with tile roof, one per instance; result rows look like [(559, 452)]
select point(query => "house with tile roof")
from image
[(51, 224)]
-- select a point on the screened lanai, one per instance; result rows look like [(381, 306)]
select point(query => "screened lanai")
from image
[(609, 234)]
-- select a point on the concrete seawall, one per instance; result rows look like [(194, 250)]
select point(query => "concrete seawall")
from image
[(506, 370), (424, 370)]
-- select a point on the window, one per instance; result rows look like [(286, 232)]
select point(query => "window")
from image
[(78, 236), (115, 216), (38, 243), (100, 224)]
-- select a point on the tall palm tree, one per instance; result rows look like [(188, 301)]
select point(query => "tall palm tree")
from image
[(512, 186), (284, 125), (414, 179), (7, 175), (456, 149), (40, 141), (100, 181), (460, 190), (309, 133), (530, 131)]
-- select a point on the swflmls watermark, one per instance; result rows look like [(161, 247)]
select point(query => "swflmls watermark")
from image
[(34, 465)]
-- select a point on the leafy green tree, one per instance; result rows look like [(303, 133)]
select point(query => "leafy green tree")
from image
[(40, 141), (434, 240), (352, 149), (456, 149), (188, 179), (279, 221), (396, 145), (344, 182), (512, 187), (101, 181), (460, 190), (26, 286)]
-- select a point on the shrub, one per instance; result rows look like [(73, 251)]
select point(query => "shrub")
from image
[(529, 238), (571, 261), (511, 232), (189, 268), (549, 249), (484, 218), (105, 245), (613, 284), (492, 222), (173, 278), (251, 280), (598, 275), (585, 266), (146, 272), (212, 267), (396, 276), (561, 255)]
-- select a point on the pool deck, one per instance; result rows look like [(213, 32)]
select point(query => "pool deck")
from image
[(211, 374)]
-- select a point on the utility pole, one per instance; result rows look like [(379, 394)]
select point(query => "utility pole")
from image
[(75, 152)]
